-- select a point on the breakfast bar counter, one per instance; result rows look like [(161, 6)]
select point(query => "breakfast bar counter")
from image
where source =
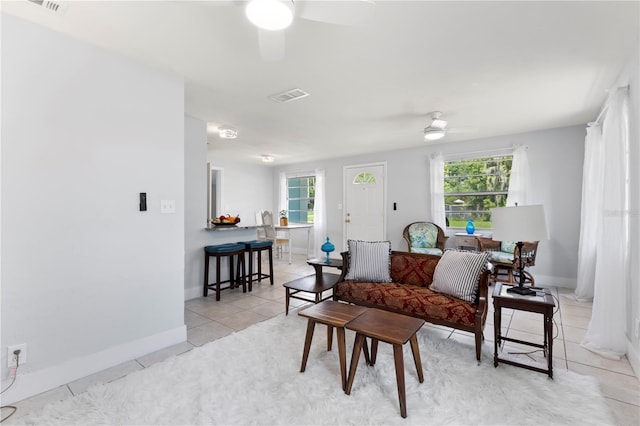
[(232, 227)]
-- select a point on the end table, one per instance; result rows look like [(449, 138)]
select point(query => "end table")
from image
[(543, 304)]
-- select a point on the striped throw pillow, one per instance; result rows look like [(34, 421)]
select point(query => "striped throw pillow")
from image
[(369, 261), (458, 274)]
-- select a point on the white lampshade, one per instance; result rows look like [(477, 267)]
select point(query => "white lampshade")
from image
[(520, 223), (272, 15)]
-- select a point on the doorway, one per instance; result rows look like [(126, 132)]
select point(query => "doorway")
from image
[(364, 201), (214, 191)]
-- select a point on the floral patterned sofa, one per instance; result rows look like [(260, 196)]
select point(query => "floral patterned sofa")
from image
[(409, 293)]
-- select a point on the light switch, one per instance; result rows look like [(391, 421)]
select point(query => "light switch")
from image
[(167, 206)]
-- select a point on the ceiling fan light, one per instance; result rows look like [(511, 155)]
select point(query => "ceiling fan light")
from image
[(266, 158), (272, 15), (226, 132), (433, 134)]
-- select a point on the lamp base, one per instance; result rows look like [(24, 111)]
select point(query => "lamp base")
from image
[(522, 291)]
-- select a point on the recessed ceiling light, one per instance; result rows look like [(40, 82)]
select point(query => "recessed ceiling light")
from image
[(227, 132), (266, 158), (272, 15)]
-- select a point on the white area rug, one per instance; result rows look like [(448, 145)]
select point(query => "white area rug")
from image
[(252, 377)]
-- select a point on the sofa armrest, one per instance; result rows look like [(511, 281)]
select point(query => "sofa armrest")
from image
[(483, 296), (345, 265)]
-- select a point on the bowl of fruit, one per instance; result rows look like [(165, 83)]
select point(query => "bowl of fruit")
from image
[(226, 220)]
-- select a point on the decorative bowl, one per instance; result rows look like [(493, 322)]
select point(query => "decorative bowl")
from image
[(226, 221)]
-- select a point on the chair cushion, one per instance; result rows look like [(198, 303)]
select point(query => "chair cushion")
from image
[(369, 261), (255, 244), (425, 250), (458, 273), (423, 235), (508, 247), (500, 256), (223, 248)]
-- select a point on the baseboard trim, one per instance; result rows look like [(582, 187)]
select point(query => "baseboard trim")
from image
[(551, 281), (192, 293), (36, 382), (634, 358)]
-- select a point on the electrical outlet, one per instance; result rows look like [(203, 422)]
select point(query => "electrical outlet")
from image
[(12, 358), (167, 206)]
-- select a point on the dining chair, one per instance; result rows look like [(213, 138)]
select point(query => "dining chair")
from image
[(261, 234), (271, 234)]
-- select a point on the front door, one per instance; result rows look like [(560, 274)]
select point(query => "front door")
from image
[(364, 201)]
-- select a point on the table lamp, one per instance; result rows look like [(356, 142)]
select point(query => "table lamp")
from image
[(519, 223)]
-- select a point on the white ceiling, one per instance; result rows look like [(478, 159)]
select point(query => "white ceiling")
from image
[(492, 68)]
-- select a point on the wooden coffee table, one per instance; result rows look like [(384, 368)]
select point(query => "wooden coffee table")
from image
[(332, 314), (392, 328), (314, 284)]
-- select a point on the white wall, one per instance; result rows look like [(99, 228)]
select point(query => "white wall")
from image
[(555, 158), (88, 281), (246, 189)]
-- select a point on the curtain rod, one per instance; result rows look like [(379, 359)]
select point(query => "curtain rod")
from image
[(603, 112), (487, 151)]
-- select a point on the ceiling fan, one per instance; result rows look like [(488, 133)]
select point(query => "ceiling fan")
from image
[(273, 16), (437, 129)]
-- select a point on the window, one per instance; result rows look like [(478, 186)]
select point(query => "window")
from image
[(473, 186), (364, 178), (300, 198)]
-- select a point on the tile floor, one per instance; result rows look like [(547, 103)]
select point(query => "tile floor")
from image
[(208, 320)]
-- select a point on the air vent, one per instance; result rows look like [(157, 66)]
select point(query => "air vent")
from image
[(50, 5), (289, 95)]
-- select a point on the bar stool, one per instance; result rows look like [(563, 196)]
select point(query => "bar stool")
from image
[(258, 247), (219, 251)]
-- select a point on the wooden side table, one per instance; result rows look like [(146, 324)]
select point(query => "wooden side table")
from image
[(332, 314), (318, 264), (466, 241), (392, 328), (314, 284), (543, 304)]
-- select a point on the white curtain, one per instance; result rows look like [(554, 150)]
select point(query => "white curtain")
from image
[(282, 202), (592, 184), (606, 332), (436, 171), (319, 215), (520, 180)]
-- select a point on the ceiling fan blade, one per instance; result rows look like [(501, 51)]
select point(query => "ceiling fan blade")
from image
[(351, 12), (272, 45), (463, 130)]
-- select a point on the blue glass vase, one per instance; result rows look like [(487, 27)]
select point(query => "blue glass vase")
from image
[(327, 247), (471, 228)]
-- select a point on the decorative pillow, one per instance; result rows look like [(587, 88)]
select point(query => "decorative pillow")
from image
[(369, 261), (508, 246), (458, 274)]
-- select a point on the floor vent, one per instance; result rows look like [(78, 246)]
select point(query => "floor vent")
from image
[(50, 5), (289, 95)]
